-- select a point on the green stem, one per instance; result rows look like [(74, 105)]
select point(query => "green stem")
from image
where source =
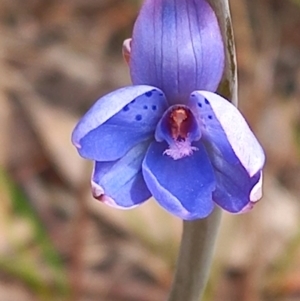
[(198, 238)]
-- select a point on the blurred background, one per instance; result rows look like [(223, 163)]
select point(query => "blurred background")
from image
[(57, 243)]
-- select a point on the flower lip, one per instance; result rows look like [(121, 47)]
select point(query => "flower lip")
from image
[(178, 124), (179, 128)]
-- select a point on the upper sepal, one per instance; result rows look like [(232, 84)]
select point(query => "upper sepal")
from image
[(177, 47)]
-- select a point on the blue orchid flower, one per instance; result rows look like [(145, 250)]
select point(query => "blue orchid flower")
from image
[(169, 135)]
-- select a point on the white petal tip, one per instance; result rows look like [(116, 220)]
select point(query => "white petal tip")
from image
[(256, 192), (98, 194)]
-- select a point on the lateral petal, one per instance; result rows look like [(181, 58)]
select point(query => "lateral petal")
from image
[(118, 121)]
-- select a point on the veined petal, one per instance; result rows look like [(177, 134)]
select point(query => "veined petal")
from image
[(118, 121), (177, 47), (235, 153), (120, 183), (224, 125), (183, 187)]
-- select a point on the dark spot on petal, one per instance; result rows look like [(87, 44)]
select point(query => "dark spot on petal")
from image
[(161, 94), (206, 101), (126, 108), (148, 94), (133, 101), (193, 95), (145, 107), (154, 90), (154, 108), (200, 104), (138, 117), (210, 117)]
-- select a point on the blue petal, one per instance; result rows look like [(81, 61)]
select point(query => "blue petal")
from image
[(183, 187), (234, 186), (118, 121), (235, 153), (120, 183), (177, 47)]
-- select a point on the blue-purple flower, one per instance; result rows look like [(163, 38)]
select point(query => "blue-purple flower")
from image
[(168, 135)]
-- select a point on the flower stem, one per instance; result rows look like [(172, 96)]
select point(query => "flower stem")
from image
[(195, 257), (198, 238)]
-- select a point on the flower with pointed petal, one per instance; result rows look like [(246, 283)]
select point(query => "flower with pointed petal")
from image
[(168, 135)]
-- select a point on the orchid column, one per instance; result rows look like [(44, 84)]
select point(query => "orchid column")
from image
[(170, 135)]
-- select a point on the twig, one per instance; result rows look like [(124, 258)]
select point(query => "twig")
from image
[(77, 246), (199, 236)]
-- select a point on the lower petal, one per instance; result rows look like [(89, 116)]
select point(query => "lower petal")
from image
[(120, 183), (183, 187)]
